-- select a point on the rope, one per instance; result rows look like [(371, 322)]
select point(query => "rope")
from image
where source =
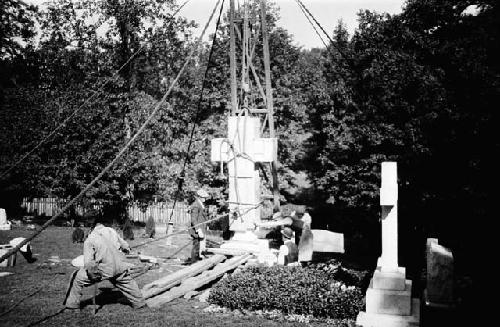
[(123, 150), (29, 295), (310, 22), (332, 43), (94, 95), (182, 231), (197, 116), (319, 25)]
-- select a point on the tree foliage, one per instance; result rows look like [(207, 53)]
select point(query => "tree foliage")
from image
[(419, 88)]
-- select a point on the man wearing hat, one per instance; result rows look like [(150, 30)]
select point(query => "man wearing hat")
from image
[(289, 252), (296, 220), (198, 215)]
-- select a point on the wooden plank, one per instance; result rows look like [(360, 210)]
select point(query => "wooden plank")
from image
[(194, 283), (227, 252), (163, 284)]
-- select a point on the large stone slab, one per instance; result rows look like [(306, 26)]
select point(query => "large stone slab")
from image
[(440, 275), (390, 280), (393, 302), (256, 246), (327, 241), (366, 319)]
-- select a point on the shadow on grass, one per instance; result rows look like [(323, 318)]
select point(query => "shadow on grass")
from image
[(105, 296)]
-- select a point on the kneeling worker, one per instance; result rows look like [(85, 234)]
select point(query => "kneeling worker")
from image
[(104, 260)]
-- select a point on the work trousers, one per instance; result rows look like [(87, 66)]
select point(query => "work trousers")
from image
[(199, 245), (123, 282)]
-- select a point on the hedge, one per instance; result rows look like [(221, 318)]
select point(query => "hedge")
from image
[(291, 290)]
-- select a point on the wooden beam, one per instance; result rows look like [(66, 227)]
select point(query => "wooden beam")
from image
[(227, 252), (194, 283), (269, 102), (232, 60), (163, 284)]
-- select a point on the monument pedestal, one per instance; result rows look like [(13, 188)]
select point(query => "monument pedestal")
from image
[(389, 320), (386, 300), (389, 302)]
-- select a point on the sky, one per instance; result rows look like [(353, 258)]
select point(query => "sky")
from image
[(326, 12)]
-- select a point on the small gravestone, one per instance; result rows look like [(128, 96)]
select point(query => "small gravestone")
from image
[(439, 308), (440, 277), (327, 241), (4, 223)]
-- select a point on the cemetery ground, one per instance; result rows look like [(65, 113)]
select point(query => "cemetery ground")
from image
[(48, 281)]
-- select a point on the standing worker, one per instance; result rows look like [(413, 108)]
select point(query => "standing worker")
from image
[(104, 260), (198, 232)]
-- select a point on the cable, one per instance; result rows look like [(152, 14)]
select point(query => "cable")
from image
[(332, 43), (124, 149), (29, 295), (197, 116), (310, 22), (94, 95), (182, 231), (319, 25)]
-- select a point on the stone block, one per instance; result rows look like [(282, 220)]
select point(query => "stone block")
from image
[(440, 275), (393, 302), (242, 167), (245, 190), (390, 280), (220, 150), (264, 149), (327, 241), (242, 130), (366, 319), (256, 246)]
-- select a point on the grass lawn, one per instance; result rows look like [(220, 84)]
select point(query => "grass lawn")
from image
[(44, 307)]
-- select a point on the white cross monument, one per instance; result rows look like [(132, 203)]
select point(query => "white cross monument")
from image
[(242, 150), (388, 298)]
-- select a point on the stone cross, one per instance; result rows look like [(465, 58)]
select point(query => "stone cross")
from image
[(389, 203), (242, 150)]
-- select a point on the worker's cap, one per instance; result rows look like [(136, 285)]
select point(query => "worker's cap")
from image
[(287, 232), (201, 193)]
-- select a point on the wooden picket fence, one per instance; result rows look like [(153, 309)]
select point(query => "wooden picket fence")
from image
[(160, 211)]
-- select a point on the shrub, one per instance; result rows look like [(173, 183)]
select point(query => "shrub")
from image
[(291, 290)]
